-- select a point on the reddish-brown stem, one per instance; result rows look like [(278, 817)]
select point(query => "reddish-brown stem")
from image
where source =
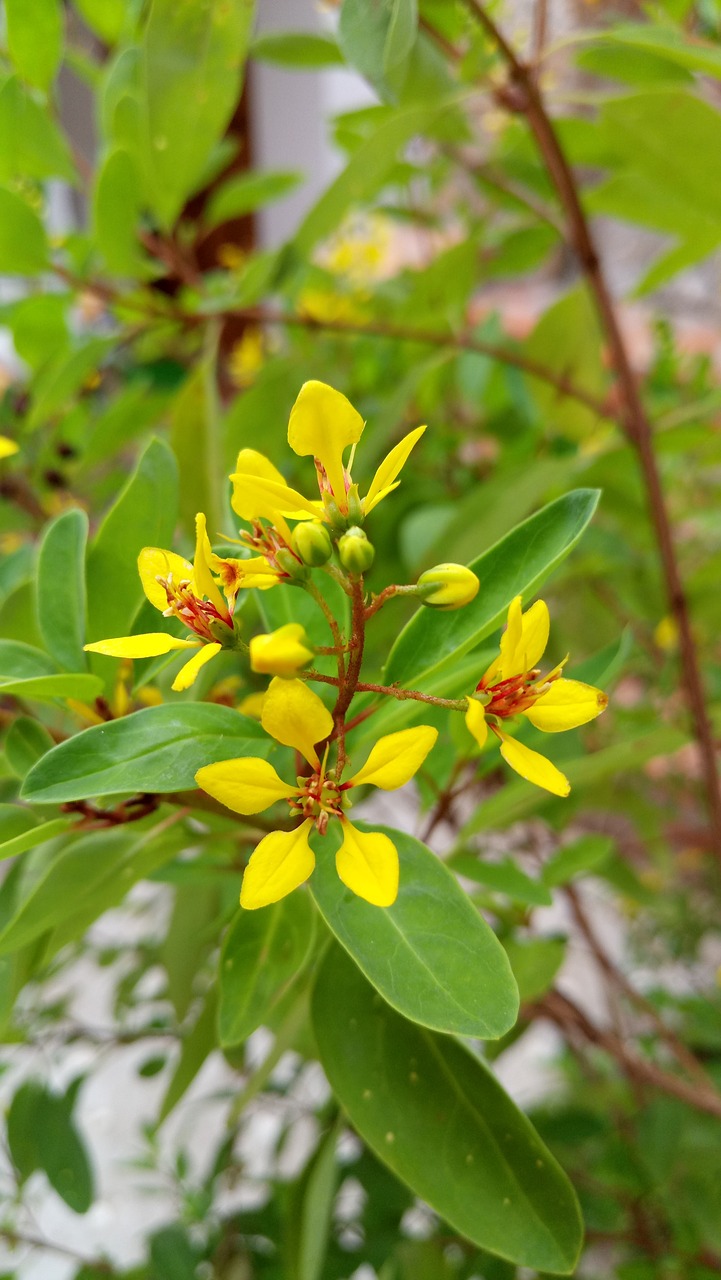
[(390, 691), (349, 686), (523, 96)]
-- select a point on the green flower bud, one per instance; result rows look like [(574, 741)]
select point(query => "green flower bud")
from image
[(448, 586), (288, 563), (312, 543), (355, 508), (355, 551)]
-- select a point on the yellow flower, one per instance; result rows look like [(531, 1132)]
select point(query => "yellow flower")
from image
[(367, 862), (7, 447), (186, 591), (513, 685), (246, 358), (448, 586), (323, 425), (280, 653)]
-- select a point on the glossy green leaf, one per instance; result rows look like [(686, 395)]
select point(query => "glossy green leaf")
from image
[(246, 192), (143, 515), (27, 740), (20, 661), (378, 39), (263, 953), (432, 642), (577, 858), (47, 688), (435, 1114), (39, 327), (296, 49), (15, 820), (35, 38), (157, 749), (35, 836), (431, 955), (116, 213), (41, 1135), (61, 589), (192, 61), (31, 145), (669, 42), (23, 243)]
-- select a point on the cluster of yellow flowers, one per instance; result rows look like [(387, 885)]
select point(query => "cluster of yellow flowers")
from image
[(287, 535)]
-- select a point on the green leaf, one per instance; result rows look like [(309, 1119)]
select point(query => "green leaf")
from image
[(296, 49), (431, 955), (535, 963), (143, 515), (437, 1117), (41, 1135), (105, 17), (47, 688), (378, 38), (194, 440), (197, 1045), (31, 146), (248, 191), (432, 642), (116, 213), (15, 820), (21, 661), (27, 740), (23, 243), (578, 858), (35, 38), (39, 327), (192, 62), (35, 836), (316, 1208), (158, 749), (668, 42), (263, 953), (502, 877), (568, 340), (62, 377), (61, 588), (370, 166)]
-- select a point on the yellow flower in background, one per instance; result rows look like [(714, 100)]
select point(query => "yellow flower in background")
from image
[(186, 591), (323, 425), (513, 685), (246, 358), (8, 447), (367, 862), (281, 653)]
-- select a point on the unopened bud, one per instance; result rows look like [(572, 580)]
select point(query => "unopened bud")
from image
[(355, 508), (312, 543), (288, 563), (281, 653), (448, 586), (355, 551)]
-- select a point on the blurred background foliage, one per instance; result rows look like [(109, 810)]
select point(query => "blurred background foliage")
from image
[(153, 329)]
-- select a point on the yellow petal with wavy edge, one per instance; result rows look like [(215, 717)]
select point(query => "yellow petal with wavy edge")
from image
[(204, 580), (154, 563), (396, 757), (367, 862), (271, 501), (248, 785), (189, 673), (294, 715), (567, 704), (150, 645), (7, 447), (475, 718), (533, 767), (280, 653), (383, 481), (323, 423), (281, 862)]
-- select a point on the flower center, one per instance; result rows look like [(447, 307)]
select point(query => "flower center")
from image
[(200, 616), (517, 693), (318, 797)]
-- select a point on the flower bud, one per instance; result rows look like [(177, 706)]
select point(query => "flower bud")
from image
[(281, 653), (355, 551), (312, 543), (448, 586), (288, 563)]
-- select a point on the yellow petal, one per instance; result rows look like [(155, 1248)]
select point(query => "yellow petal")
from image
[(475, 718), (253, 572), (567, 704), (154, 563), (323, 423), (7, 447), (281, 862), (150, 645), (396, 757), (534, 767), (280, 653), (188, 673), (248, 785), (391, 466), (531, 644), (270, 500), (252, 705), (204, 580), (245, 500), (294, 715), (367, 862)]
